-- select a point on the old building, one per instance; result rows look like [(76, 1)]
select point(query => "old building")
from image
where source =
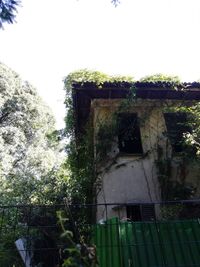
[(143, 161)]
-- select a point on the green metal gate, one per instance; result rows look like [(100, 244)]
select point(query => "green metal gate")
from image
[(148, 244)]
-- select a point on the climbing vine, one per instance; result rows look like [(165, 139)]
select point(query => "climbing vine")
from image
[(190, 155), (83, 162)]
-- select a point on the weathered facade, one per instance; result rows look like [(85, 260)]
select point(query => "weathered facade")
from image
[(130, 172)]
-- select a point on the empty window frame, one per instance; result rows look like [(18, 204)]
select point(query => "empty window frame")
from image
[(177, 124), (141, 212), (129, 138)]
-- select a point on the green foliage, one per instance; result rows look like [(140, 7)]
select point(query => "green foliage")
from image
[(80, 154), (190, 155), (29, 150), (75, 255), (10, 231), (171, 212), (105, 137), (161, 78), (9, 256), (80, 160), (96, 77), (83, 76), (30, 160), (193, 139), (80, 149), (163, 81)]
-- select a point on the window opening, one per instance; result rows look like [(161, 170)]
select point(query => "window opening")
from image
[(134, 213), (129, 138), (177, 125), (143, 212)]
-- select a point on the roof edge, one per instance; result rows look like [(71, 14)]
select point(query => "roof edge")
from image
[(138, 85)]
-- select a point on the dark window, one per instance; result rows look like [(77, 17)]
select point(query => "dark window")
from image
[(129, 134), (143, 212), (134, 213), (177, 124)]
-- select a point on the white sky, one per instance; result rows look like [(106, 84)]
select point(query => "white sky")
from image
[(138, 38)]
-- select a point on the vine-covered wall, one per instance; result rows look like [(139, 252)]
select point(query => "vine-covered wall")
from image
[(156, 174), (100, 173)]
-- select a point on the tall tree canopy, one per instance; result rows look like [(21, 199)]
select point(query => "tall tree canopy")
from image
[(28, 148)]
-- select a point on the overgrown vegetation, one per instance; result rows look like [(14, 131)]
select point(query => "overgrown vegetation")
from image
[(81, 154), (31, 173), (29, 146), (188, 156), (161, 78), (76, 252), (31, 169), (80, 150)]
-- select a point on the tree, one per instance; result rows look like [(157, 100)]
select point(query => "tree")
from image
[(8, 10), (29, 151)]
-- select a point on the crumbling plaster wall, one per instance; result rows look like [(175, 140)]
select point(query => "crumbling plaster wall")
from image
[(132, 178)]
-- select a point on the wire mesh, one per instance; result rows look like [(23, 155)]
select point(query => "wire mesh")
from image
[(31, 235)]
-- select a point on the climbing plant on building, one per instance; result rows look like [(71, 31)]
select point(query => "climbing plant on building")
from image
[(80, 148), (83, 161)]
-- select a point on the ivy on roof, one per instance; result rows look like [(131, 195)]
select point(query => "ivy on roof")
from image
[(99, 79), (96, 77), (162, 81), (159, 77)]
